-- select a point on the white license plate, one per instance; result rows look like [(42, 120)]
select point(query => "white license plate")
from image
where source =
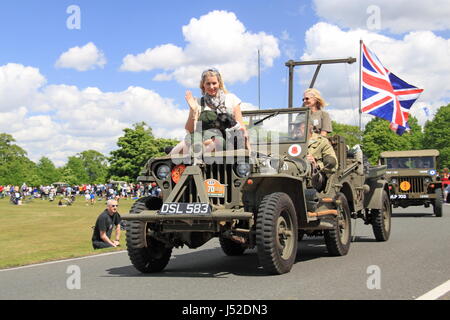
[(198, 208), (399, 196)]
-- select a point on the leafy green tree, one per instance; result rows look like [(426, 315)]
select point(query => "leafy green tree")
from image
[(68, 175), (8, 150), (378, 137), (95, 165), (136, 147), (352, 134), (437, 135), (47, 171), (20, 170), (415, 136), (15, 167), (74, 171)]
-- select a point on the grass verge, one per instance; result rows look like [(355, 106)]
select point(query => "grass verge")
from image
[(40, 231)]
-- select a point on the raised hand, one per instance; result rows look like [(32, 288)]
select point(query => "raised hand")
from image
[(191, 101)]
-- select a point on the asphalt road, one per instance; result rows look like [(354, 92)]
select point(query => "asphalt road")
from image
[(415, 260)]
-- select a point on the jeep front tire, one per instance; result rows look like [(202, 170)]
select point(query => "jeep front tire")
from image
[(437, 205), (147, 254), (381, 219), (276, 233)]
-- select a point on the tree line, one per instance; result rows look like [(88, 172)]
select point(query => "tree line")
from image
[(138, 144), (135, 147)]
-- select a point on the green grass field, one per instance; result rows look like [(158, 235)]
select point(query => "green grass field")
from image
[(39, 230)]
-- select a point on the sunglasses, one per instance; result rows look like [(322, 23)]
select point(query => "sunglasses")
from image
[(114, 205), (306, 99), (210, 70)]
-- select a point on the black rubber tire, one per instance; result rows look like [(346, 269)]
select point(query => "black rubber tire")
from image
[(276, 233), (381, 219), (147, 255), (437, 205), (338, 239), (231, 248)]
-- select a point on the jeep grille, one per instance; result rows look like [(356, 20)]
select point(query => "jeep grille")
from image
[(417, 184), (221, 172)]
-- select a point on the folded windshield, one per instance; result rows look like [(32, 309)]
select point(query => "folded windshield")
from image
[(276, 127)]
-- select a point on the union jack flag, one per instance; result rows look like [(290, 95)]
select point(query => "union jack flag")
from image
[(383, 94)]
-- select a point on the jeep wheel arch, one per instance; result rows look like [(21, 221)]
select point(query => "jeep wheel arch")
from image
[(292, 187), (374, 199)]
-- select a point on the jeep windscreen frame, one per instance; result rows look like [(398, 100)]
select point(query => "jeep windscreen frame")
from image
[(425, 162), (283, 126)]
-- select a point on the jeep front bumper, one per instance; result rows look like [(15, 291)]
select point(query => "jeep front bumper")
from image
[(217, 215)]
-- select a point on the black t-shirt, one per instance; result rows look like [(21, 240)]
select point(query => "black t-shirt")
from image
[(105, 223)]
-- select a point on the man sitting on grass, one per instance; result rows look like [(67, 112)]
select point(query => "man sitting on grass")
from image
[(104, 225)]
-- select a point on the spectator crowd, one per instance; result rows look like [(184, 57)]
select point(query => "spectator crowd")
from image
[(91, 192)]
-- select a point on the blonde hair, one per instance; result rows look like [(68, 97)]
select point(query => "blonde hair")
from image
[(212, 73), (321, 103)]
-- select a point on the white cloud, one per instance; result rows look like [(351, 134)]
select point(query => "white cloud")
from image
[(419, 58), (163, 77), (18, 85), (398, 16), (217, 39), (58, 121), (83, 58), (166, 56)]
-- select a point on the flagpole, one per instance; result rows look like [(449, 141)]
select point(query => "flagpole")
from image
[(259, 81), (360, 87)]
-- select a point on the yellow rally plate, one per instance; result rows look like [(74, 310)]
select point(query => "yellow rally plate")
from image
[(405, 186), (214, 188)]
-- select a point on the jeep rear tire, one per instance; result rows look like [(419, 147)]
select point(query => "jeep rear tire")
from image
[(338, 239), (276, 233), (146, 253), (381, 219), (437, 205)]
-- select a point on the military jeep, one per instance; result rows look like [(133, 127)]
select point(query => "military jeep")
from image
[(413, 178), (266, 198)]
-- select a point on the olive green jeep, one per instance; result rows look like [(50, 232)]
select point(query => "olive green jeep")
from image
[(266, 198), (413, 178)]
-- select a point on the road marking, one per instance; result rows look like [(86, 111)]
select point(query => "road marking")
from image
[(64, 260), (436, 292)]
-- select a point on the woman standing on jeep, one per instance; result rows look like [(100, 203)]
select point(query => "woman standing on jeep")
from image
[(217, 110), (320, 119)]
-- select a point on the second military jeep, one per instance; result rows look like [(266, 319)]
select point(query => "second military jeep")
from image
[(413, 178), (266, 198)]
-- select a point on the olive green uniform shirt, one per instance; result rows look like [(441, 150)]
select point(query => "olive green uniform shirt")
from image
[(321, 121), (319, 147)]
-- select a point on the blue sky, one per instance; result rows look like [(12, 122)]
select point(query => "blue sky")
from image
[(142, 56), (37, 35)]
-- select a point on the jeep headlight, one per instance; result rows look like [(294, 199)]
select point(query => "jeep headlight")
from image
[(162, 171), (243, 169), (394, 181)]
